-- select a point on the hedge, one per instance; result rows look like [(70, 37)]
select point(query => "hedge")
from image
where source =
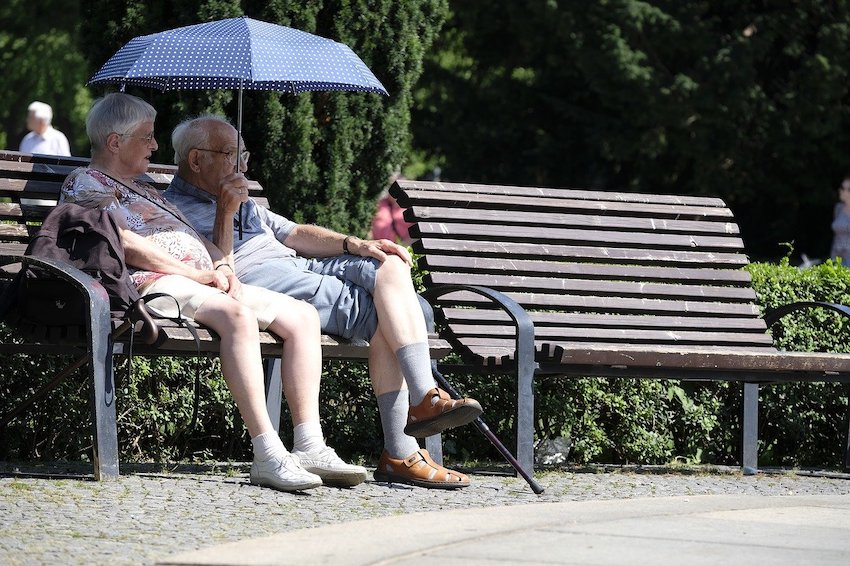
[(610, 421)]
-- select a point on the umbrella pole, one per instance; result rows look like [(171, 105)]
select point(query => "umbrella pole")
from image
[(239, 148)]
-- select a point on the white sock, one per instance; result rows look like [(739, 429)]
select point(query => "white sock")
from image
[(267, 446), (308, 437)]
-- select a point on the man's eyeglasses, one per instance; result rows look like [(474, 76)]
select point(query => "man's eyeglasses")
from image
[(231, 155), (147, 139)]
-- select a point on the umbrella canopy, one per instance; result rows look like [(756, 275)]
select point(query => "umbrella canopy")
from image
[(238, 53)]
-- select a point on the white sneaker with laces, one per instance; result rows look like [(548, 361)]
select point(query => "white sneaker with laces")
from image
[(284, 473), (331, 468)]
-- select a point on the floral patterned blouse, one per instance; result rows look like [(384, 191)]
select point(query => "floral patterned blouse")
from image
[(146, 213)]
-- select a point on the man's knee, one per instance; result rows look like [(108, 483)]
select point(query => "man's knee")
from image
[(393, 271)]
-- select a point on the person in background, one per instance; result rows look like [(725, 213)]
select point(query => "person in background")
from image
[(43, 138), (168, 256), (388, 222), (841, 224)]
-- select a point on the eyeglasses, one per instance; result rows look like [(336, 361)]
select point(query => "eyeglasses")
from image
[(231, 155), (147, 139)]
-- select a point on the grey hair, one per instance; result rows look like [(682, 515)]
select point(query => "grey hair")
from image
[(190, 134), (116, 112)]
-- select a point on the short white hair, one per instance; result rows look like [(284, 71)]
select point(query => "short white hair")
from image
[(41, 111), (117, 113), (193, 133)]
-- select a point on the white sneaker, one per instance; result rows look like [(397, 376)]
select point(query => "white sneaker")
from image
[(284, 473), (331, 468)]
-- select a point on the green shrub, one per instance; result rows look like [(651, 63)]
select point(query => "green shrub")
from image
[(609, 420)]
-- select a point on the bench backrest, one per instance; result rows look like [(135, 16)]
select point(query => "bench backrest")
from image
[(30, 186), (591, 267)]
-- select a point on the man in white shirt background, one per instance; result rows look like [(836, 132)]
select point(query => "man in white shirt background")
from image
[(43, 138)]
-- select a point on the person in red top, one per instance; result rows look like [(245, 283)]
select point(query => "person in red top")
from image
[(388, 222)]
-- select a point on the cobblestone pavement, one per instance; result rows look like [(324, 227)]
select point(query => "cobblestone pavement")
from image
[(55, 514)]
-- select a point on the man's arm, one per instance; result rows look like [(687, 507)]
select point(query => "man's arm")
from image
[(310, 240), (232, 193)]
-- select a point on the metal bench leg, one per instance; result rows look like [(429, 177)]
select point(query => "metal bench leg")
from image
[(274, 391), (434, 446), (847, 430), (750, 432), (525, 417), (104, 415)]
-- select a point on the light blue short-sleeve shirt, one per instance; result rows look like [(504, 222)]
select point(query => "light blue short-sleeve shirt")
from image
[(263, 231)]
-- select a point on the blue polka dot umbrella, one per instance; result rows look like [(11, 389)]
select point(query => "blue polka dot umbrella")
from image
[(237, 53)]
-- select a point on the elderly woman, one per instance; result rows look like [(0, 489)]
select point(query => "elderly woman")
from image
[(167, 256)]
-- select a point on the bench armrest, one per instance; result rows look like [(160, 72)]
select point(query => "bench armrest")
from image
[(85, 283), (524, 355), (771, 316)]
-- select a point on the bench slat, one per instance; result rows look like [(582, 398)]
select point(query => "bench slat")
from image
[(610, 304), (477, 191), (512, 234), (705, 359), (616, 336), (603, 320), (595, 287), (592, 254), (499, 217), (566, 205), (477, 264)]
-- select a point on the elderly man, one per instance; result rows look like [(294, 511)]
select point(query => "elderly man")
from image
[(43, 138), (361, 289)]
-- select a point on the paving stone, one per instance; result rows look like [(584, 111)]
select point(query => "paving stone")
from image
[(48, 516)]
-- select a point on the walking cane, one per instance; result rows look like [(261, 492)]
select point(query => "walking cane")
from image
[(485, 430)]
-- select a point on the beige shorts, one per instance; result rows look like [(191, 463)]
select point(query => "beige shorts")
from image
[(190, 295)]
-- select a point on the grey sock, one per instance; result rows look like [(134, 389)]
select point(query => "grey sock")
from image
[(393, 408), (415, 362)]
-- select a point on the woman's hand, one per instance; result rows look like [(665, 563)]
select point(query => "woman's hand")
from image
[(212, 277)]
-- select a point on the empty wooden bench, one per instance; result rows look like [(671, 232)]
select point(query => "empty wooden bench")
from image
[(615, 284), (31, 184)]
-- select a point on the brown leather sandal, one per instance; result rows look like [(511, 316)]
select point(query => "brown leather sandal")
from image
[(420, 470), (438, 412)]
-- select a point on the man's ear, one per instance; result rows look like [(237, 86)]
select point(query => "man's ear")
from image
[(193, 159)]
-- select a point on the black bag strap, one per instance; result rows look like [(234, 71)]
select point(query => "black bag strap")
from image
[(138, 313)]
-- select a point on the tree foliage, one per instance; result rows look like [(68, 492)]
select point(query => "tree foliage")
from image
[(748, 101), (40, 60), (322, 157)]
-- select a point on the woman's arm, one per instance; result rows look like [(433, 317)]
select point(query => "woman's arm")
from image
[(142, 254)]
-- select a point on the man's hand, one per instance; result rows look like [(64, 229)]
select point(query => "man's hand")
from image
[(233, 191), (379, 249)]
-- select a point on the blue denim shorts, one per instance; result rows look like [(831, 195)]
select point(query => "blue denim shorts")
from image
[(339, 287)]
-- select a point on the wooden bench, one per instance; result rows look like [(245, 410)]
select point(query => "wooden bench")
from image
[(615, 284), (29, 187)]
